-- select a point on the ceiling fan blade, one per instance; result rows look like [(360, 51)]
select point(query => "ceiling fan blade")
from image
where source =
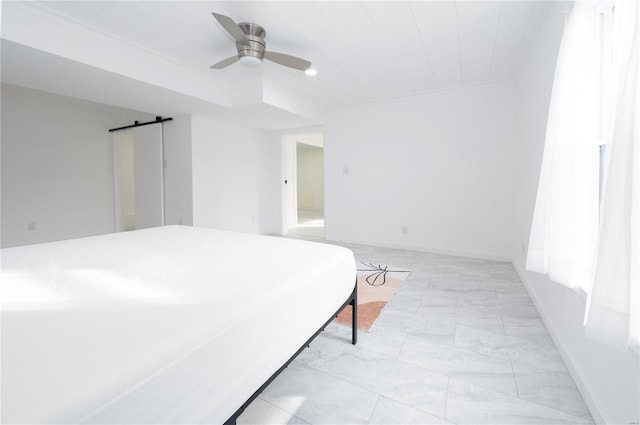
[(225, 62), (232, 28), (288, 60)]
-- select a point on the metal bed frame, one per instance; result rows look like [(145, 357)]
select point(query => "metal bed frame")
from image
[(352, 301)]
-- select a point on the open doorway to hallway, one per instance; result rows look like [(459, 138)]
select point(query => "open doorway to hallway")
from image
[(303, 209), (310, 189)]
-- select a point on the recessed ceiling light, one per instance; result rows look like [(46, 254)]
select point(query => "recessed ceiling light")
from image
[(311, 72)]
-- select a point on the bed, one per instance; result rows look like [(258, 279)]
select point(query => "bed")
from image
[(165, 325)]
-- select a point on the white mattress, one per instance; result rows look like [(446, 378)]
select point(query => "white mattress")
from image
[(164, 325)]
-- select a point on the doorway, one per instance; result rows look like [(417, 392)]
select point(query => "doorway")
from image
[(138, 178), (310, 186), (303, 198)]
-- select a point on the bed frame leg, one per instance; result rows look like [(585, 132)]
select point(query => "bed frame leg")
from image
[(354, 315)]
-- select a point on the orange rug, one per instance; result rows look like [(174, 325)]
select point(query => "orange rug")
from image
[(376, 285)]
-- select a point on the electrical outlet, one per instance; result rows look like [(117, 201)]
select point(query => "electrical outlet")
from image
[(405, 230), (31, 226), (345, 170)]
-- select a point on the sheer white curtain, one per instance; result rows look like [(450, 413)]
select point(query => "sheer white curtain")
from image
[(614, 301), (565, 220)]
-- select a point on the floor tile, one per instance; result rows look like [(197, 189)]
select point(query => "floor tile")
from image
[(319, 398), (455, 313), (477, 294), (434, 329), (470, 404), (551, 389), (323, 350), (404, 382), (420, 288), (531, 328), (387, 342), (391, 412), (499, 307), (403, 303), (398, 320), (457, 362), (515, 298), (438, 297), (261, 412), (441, 331), (462, 316), (460, 341), (509, 288), (490, 343), (543, 356), (297, 421)]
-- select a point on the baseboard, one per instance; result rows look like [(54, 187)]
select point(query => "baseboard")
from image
[(583, 387), (430, 250)]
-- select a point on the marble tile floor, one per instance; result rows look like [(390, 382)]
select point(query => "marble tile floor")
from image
[(310, 225), (460, 343)]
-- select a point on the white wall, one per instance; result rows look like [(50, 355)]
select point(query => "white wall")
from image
[(310, 177), (235, 172), (57, 170), (288, 190), (608, 380), (439, 165), (57, 166)]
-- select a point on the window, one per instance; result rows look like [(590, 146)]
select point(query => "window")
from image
[(604, 35), (586, 225)]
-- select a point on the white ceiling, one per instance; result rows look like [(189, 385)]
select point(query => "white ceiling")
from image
[(363, 51)]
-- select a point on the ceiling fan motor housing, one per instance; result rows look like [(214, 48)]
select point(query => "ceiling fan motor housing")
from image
[(251, 47), (256, 35)]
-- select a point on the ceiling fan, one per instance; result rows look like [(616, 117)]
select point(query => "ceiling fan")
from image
[(252, 47)]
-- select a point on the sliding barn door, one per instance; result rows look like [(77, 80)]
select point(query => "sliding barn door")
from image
[(147, 174), (138, 179)]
